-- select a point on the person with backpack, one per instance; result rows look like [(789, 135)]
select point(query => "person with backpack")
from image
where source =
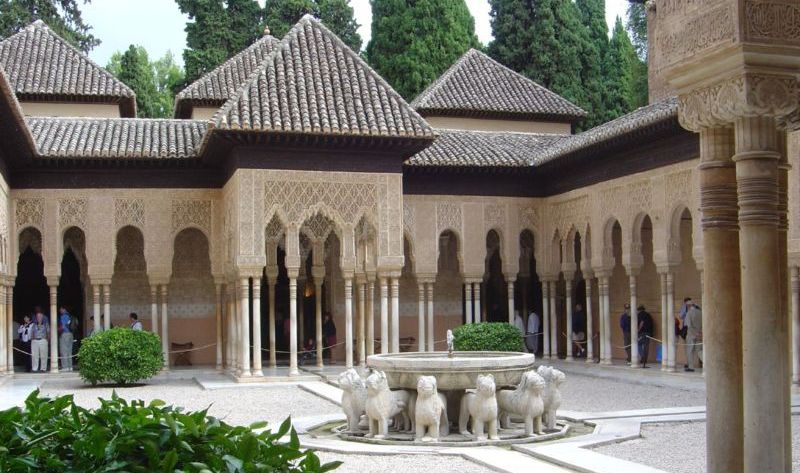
[(67, 326), (645, 332)]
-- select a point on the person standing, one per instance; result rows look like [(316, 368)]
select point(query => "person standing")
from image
[(136, 325), (579, 331), (625, 325), (694, 336), (519, 323), (24, 332), (40, 333), (65, 338), (532, 339), (645, 332), (329, 335)]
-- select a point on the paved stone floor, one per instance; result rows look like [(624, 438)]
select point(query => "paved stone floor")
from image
[(636, 413)]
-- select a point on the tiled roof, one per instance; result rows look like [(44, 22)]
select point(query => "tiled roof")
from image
[(636, 120), (478, 85), (39, 63), (220, 84), (13, 129), (117, 137), (483, 149), (314, 84)]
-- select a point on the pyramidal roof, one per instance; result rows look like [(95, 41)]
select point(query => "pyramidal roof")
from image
[(312, 83), (41, 65), (219, 84), (477, 85)]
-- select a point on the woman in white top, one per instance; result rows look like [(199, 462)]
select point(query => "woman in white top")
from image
[(24, 331)]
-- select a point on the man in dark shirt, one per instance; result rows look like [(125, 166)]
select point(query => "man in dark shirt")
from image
[(625, 325), (645, 332), (579, 331)]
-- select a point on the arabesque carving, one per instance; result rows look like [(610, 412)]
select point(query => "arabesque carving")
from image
[(72, 212), (129, 212), (772, 21), (448, 216), (187, 213), (29, 212)]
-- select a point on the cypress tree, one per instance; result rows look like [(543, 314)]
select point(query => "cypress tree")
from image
[(135, 71), (593, 17), (413, 43), (618, 69), (512, 26), (637, 27), (336, 15), (62, 16)]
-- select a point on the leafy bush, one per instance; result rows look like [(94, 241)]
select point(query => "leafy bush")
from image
[(488, 336), (55, 435), (121, 355)]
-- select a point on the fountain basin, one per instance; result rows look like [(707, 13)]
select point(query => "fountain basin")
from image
[(457, 372)]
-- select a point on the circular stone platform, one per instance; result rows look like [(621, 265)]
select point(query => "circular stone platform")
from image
[(457, 372)]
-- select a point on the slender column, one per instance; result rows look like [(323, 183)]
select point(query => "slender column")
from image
[(634, 324), (601, 299), (510, 288), (164, 325), (318, 319), (477, 299), (757, 160), (301, 312), (523, 292), (362, 309), (669, 337), (54, 329), (10, 321), (244, 307), (257, 327), (431, 332), (545, 319), (589, 322), (293, 371), (96, 308), (218, 314), (785, 327), (468, 302), (395, 315), (568, 285), (795, 272), (421, 317), (230, 349), (553, 321), (348, 313), (370, 315), (107, 306), (662, 279), (384, 315), (273, 358), (607, 320), (4, 333)]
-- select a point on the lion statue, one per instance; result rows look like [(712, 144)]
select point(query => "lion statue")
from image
[(481, 406), (383, 404), (552, 394), (429, 411), (525, 401), (354, 398)]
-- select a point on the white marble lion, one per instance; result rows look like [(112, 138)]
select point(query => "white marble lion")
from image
[(383, 404), (429, 411), (552, 394), (354, 398), (525, 401), (481, 406)]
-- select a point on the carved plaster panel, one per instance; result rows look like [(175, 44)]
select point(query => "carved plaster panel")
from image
[(494, 216), (693, 26), (528, 218), (72, 212), (186, 213), (29, 212), (772, 20), (570, 212), (128, 212), (678, 188), (409, 222), (640, 196), (448, 216), (297, 198)]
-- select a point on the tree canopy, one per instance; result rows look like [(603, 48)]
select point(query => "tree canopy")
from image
[(336, 15), (62, 16), (413, 43), (154, 83)]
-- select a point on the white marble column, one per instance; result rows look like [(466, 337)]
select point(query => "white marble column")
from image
[(164, 324), (9, 301), (553, 321), (244, 307), (384, 315), (670, 335), (107, 306), (348, 314), (602, 290), (431, 331), (218, 315), (545, 319), (468, 302), (257, 369), (54, 328), (395, 290), (662, 278), (421, 317), (4, 338), (362, 326), (510, 289), (477, 301), (318, 319), (230, 324), (568, 289), (370, 314), (589, 321), (96, 308), (794, 271), (273, 354), (293, 370), (634, 324)]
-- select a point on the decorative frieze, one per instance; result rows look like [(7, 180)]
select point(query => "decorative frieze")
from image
[(347, 200), (773, 20)]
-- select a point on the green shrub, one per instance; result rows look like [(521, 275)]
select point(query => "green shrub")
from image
[(121, 355), (55, 435), (488, 336)]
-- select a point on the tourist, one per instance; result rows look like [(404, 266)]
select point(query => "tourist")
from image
[(694, 336), (532, 337), (625, 325), (136, 325), (579, 331), (645, 332), (308, 351), (329, 335), (519, 323), (39, 336), (24, 332), (66, 325), (681, 331)]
